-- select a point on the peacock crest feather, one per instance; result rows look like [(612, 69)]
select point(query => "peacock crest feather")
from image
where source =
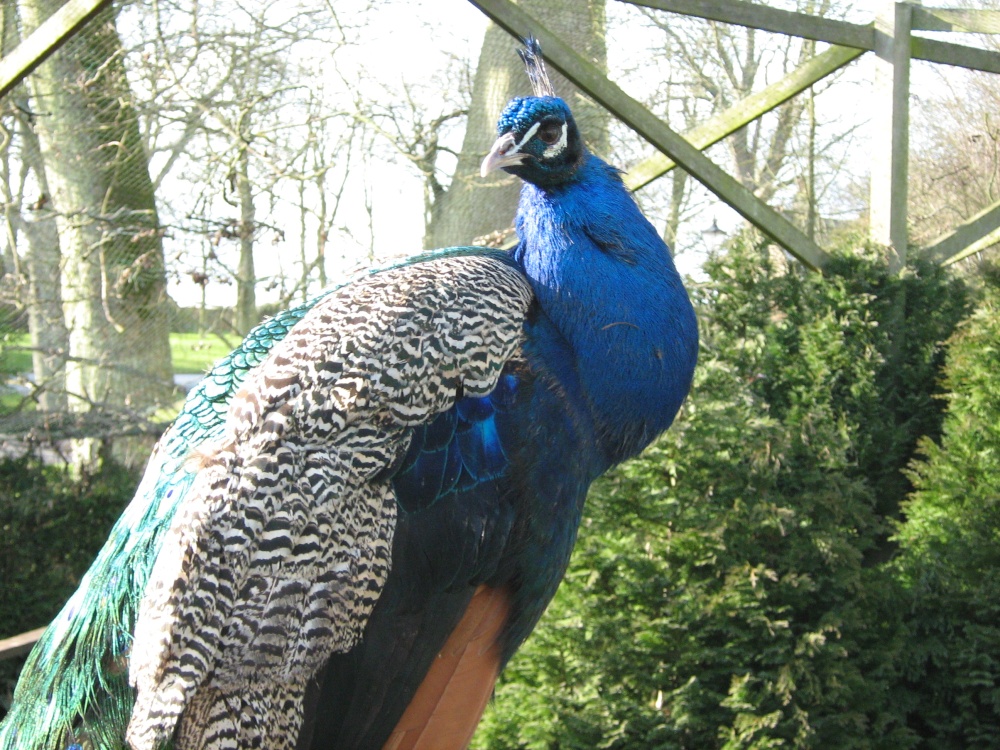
[(534, 65)]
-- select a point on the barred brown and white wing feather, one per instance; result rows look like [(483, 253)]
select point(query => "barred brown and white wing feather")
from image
[(282, 546)]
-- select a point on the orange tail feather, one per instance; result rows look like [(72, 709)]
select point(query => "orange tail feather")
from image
[(447, 706)]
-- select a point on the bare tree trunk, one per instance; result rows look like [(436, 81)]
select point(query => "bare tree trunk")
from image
[(46, 326), (678, 184), (246, 276), (811, 167), (49, 337), (473, 207), (113, 280)]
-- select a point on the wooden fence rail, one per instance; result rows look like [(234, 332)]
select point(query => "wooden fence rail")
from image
[(19, 644)]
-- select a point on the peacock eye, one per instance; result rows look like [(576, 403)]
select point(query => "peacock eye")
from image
[(550, 132)]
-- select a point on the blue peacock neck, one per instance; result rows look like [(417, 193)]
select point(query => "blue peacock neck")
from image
[(607, 286)]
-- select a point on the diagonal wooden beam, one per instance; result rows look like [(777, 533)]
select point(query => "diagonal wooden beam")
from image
[(46, 39), (822, 30), (976, 234), (586, 75), (764, 18), (745, 111)]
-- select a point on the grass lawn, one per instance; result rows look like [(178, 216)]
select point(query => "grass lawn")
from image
[(194, 353), (9, 400), (191, 352), (14, 355)]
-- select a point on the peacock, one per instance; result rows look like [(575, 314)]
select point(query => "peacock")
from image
[(362, 512)]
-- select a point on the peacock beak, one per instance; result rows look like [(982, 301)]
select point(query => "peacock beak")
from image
[(503, 154)]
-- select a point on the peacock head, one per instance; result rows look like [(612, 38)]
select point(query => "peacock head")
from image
[(538, 140)]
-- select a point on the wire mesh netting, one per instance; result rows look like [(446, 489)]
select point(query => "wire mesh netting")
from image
[(171, 175), (154, 152), (178, 170)]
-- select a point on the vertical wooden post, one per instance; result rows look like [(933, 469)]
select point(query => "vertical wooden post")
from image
[(890, 121)]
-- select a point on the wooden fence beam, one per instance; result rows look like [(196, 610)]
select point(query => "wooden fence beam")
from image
[(19, 644), (762, 17), (958, 55), (745, 111), (861, 36), (891, 132), (976, 234), (586, 75), (45, 40), (960, 20)]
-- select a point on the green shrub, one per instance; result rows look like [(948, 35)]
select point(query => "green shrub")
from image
[(51, 527), (950, 551)]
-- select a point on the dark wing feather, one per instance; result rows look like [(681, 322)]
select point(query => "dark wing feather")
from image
[(74, 684), (283, 545), (457, 450), (447, 544)]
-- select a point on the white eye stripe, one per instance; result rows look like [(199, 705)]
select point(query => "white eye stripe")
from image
[(527, 136), (556, 148)]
